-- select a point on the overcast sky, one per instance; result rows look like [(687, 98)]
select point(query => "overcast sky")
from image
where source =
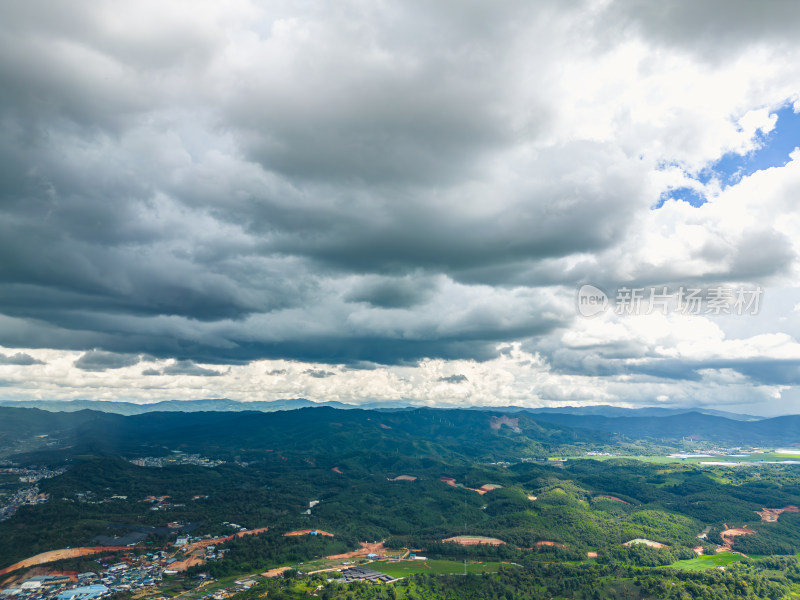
[(363, 200)]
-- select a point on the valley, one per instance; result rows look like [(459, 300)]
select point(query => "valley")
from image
[(190, 504)]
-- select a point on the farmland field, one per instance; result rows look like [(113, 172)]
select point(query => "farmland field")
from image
[(474, 540), (708, 562)]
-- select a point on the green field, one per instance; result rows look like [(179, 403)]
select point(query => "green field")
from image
[(702, 563), (764, 456), (177, 590), (644, 458), (436, 567)]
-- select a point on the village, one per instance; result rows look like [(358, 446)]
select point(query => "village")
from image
[(146, 575), (176, 458), (25, 496), (133, 573)]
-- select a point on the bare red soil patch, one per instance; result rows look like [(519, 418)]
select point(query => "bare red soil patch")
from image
[(53, 555), (771, 514), (306, 532), (213, 542), (155, 499), (482, 490), (403, 478), (473, 540), (251, 532), (336, 470), (275, 572), (366, 549), (182, 565), (540, 544), (488, 487), (729, 534)]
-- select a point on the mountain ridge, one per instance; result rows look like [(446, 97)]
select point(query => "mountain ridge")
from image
[(225, 405), (488, 435)]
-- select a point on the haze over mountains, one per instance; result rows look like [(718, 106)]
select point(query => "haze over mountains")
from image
[(224, 404)]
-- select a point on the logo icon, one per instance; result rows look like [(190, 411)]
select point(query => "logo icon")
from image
[(591, 300)]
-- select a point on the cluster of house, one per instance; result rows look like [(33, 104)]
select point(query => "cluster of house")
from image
[(738, 451), (240, 585), (27, 496), (311, 505), (59, 587), (140, 572), (32, 474), (363, 574), (161, 503), (176, 459)]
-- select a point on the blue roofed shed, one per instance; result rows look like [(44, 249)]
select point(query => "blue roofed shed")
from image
[(83, 593)]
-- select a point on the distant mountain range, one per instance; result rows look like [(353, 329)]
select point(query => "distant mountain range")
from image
[(133, 408), (617, 411), (690, 426), (227, 405)]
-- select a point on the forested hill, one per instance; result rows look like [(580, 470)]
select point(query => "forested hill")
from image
[(466, 434), (451, 433), (692, 425)]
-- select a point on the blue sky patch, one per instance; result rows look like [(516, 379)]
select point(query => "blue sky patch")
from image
[(774, 151), (686, 194)]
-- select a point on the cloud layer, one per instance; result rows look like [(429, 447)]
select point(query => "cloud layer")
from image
[(348, 194)]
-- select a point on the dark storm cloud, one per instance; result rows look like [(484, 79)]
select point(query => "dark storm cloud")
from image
[(464, 236), (712, 29), (357, 188), (393, 293), (187, 367), (98, 360), (454, 379), (763, 371), (675, 370), (366, 101), (602, 363), (130, 234), (20, 359)]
